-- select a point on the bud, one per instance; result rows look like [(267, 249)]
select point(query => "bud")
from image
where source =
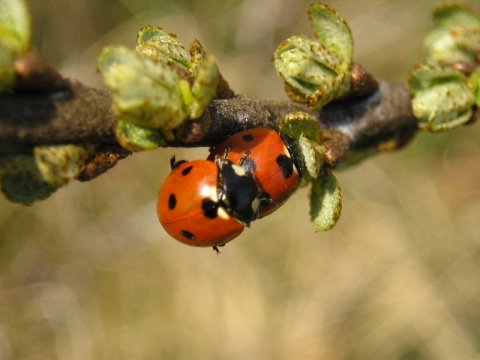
[(196, 66), (474, 81), (317, 70), (162, 47), (157, 88), (457, 36), (442, 98), (325, 201), (15, 38), (306, 147), (35, 174)]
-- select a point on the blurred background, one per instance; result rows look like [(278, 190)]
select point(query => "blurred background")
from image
[(90, 273)]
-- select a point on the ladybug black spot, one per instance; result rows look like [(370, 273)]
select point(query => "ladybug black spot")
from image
[(187, 170), (286, 164), (247, 138), (209, 208), (188, 235), (172, 202)]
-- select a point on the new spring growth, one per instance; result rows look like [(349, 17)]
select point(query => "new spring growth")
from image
[(325, 194), (158, 87), (34, 174), (317, 70), (14, 38), (444, 94)]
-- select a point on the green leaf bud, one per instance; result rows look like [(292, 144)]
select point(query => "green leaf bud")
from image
[(325, 201), (457, 36), (14, 38), (317, 70), (161, 46), (144, 92), (442, 97), (35, 174)]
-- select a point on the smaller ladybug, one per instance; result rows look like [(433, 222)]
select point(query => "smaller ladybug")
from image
[(207, 203), (265, 153)]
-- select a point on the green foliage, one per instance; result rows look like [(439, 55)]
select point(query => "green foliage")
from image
[(32, 175), (317, 70), (325, 197), (158, 87), (14, 38), (145, 93), (444, 95), (307, 135), (456, 37), (325, 201), (442, 98), (475, 85)]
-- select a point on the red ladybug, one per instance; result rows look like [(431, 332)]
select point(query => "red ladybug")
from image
[(263, 152), (207, 203)]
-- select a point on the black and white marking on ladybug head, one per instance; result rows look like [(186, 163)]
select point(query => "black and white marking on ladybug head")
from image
[(240, 192)]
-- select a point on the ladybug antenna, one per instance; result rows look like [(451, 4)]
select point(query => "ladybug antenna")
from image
[(174, 164)]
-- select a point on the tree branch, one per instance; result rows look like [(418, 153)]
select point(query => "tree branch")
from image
[(79, 114)]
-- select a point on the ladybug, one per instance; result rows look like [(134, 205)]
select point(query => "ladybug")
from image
[(207, 203), (265, 153)]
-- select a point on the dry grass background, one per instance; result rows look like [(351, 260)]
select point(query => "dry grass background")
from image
[(90, 273)]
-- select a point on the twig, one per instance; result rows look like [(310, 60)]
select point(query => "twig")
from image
[(72, 113)]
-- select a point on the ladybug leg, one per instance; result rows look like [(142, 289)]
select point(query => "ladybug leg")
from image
[(265, 199), (216, 250), (244, 157), (227, 150)]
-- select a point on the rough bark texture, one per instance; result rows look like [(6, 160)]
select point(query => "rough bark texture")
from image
[(80, 114)]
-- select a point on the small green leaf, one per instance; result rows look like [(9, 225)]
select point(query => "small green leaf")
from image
[(443, 107), (34, 174), (135, 137), (23, 189), (7, 73), (456, 37), (332, 30), (427, 76), (448, 14), (144, 92), (325, 201), (317, 71), (14, 26), (312, 160), (14, 38), (299, 123), (60, 164), (21, 180), (313, 72), (161, 46), (443, 99), (204, 88), (474, 81), (305, 132)]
